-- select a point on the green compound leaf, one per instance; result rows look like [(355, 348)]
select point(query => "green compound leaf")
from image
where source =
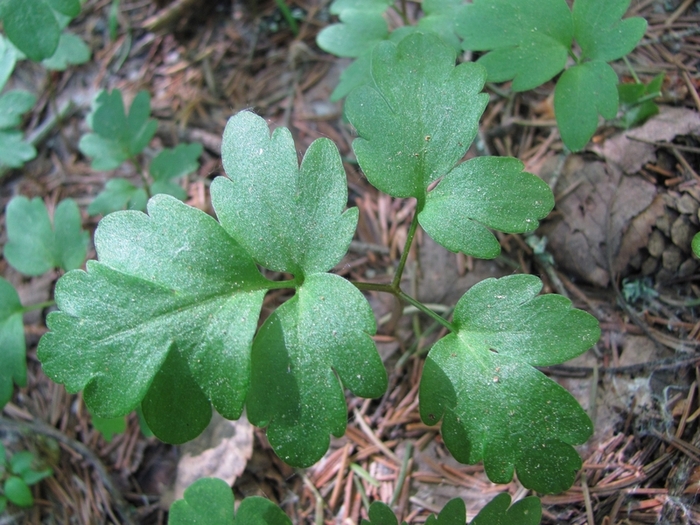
[(31, 26), (13, 105), (14, 151), (499, 511), (35, 246), (172, 298), (309, 349), (71, 51), (583, 92), (289, 218), (357, 33), (171, 164), (481, 192), (209, 501), (117, 136), (528, 42), (117, 195), (13, 363), (601, 33), (420, 119), (17, 491), (496, 406)]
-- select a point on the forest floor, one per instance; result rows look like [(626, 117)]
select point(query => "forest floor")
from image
[(618, 245)]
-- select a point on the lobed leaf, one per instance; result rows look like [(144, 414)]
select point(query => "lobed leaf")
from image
[(173, 300), (31, 26), (71, 50), (109, 427), (338, 7), (13, 104), (117, 195), (495, 406), (499, 511), (419, 119), (527, 42), (637, 101), (484, 192), (8, 59), (14, 151), (583, 92), (304, 354), (440, 16), (34, 245), (601, 33), (117, 136), (17, 491), (290, 218), (453, 513), (355, 35), (176, 162), (13, 363)]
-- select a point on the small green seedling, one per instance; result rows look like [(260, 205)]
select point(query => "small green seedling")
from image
[(637, 101), (118, 137), (14, 151), (34, 26), (531, 42), (18, 474), (171, 307), (13, 362)]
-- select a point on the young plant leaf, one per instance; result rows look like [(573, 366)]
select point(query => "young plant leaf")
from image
[(171, 164), (421, 117), (496, 406), (528, 42), (289, 218), (601, 33), (31, 26), (13, 105), (309, 349), (380, 514), (172, 297), (13, 362), (583, 92), (117, 136), (481, 192), (117, 195), (34, 245), (71, 51), (260, 511), (637, 101), (355, 35), (440, 16), (499, 511), (208, 501), (453, 513), (109, 427), (338, 7), (14, 151), (8, 59), (17, 491)]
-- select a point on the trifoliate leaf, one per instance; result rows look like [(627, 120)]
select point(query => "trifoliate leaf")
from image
[(8, 58), (71, 51), (420, 119), (528, 42), (357, 33), (13, 363), (495, 405), (173, 297), (453, 513), (304, 354), (13, 104), (31, 26), (14, 151), (601, 33), (380, 514), (289, 218), (117, 136), (175, 162), (260, 511), (35, 246), (583, 92), (481, 192), (117, 195), (18, 492), (208, 501), (498, 511)]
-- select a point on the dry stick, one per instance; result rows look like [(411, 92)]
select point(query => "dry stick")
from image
[(46, 430), (374, 439), (678, 12), (587, 499)]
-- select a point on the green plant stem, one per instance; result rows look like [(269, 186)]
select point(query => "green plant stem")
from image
[(408, 452), (277, 285), (406, 249), (427, 311), (38, 306), (632, 71)]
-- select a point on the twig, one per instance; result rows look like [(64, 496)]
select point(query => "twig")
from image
[(21, 427)]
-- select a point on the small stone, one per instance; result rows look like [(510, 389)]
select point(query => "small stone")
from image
[(649, 266), (681, 233), (687, 268), (656, 244), (636, 261), (663, 223), (672, 258), (688, 205)]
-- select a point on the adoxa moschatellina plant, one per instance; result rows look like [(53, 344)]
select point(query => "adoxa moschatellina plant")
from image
[(166, 318)]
